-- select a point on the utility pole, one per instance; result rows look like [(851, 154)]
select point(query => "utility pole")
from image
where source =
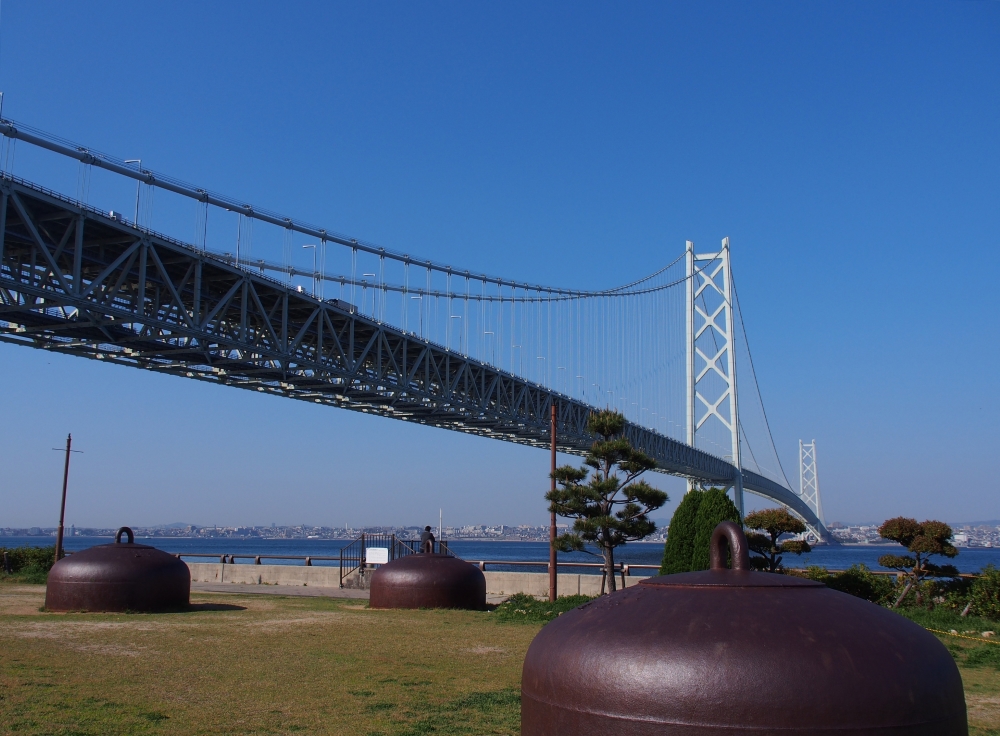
[(62, 507), (552, 519)]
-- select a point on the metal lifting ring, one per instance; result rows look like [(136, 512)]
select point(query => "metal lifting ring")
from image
[(728, 540)]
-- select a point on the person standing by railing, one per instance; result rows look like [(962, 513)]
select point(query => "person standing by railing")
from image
[(427, 541)]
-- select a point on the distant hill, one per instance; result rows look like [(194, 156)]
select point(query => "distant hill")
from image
[(991, 522)]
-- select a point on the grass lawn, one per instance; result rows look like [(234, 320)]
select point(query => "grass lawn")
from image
[(257, 665), (264, 664)]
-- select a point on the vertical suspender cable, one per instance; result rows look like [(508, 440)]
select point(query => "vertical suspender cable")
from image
[(403, 308), (354, 273), (286, 253), (381, 280), (425, 312), (322, 267), (239, 231)]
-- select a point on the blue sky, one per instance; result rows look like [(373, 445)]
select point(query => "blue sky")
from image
[(849, 150)]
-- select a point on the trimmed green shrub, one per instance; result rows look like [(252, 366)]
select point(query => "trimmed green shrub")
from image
[(22, 557), (679, 548), (985, 593), (857, 580), (943, 599), (813, 572), (27, 564), (715, 507)]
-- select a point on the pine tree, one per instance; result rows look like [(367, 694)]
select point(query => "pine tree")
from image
[(766, 547), (923, 540), (613, 506), (715, 507), (679, 549)]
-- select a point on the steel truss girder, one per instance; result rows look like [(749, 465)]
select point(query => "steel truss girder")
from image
[(73, 280)]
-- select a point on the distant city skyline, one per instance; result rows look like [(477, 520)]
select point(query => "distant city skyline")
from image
[(849, 151), (661, 523)]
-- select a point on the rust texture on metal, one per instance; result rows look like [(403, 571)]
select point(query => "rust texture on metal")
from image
[(738, 653), (123, 576), (428, 581)]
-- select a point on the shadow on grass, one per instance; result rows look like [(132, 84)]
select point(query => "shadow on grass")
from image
[(190, 608), (195, 607)]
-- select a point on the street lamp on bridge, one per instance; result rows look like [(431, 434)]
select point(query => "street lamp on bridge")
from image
[(313, 246), (421, 308), (138, 183), (493, 357), (374, 292), (455, 316)]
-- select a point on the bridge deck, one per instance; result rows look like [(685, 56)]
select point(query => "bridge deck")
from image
[(74, 280)]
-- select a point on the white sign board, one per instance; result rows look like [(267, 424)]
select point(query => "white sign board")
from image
[(376, 555)]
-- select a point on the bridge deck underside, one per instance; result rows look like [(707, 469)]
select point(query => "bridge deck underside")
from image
[(73, 280)]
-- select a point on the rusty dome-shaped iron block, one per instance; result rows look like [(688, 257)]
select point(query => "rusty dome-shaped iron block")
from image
[(738, 653), (119, 577), (428, 581)]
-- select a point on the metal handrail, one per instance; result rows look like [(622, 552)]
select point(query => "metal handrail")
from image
[(400, 546), (354, 553), (231, 558)]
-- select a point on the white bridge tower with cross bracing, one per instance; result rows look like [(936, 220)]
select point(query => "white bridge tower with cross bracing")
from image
[(809, 478), (713, 321), (711, 356)]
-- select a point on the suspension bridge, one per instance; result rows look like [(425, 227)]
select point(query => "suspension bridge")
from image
[(242, 302)]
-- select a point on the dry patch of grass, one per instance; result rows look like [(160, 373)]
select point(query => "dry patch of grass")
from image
[(264, 666), (20, 600), (979, 663)]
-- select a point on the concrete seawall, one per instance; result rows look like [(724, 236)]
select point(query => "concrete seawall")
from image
[(497, 583)]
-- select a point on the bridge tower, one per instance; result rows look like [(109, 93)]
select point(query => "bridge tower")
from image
[(808, 478), (711, 355)]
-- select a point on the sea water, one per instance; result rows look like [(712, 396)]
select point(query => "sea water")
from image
[(833, 557)]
